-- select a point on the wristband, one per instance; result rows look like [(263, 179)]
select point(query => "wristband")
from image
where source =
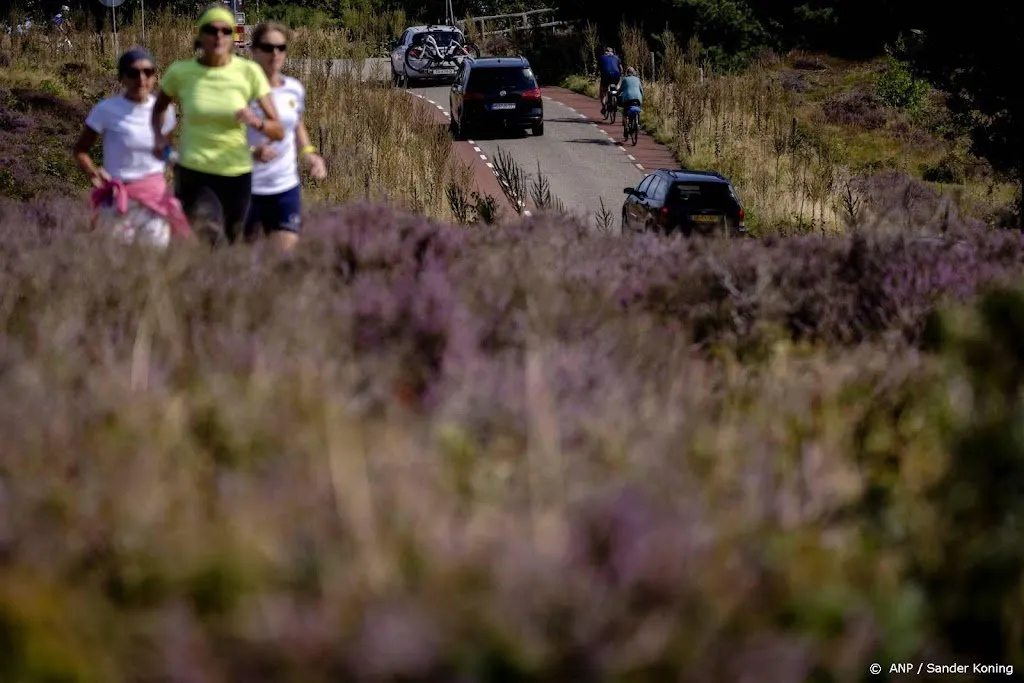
[(308, 149)]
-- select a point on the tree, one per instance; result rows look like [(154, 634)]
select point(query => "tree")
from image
[(971, 56)]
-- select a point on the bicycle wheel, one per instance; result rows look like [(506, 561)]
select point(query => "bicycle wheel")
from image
[(613, 112), (416, 60), (634, 129)]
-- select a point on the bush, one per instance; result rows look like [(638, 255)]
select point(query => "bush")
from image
[(794, 82), (898, 88), (415, 451), (861, 109), (37, 131), (809, 63), (975, 500)]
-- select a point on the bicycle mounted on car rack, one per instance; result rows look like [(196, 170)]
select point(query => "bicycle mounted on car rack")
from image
[(434, 59)]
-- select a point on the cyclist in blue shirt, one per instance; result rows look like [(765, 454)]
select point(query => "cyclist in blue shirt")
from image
[(610, 67)]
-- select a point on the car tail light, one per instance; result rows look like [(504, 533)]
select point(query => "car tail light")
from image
[(472, 95), (415, 52), (664, 211), (531, 94), (743, 215), (464, 50)]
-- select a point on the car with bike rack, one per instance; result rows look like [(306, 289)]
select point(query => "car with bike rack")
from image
[(684, 201), (429, 53)]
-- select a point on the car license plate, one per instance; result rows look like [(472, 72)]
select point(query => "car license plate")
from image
[(706, 219), (503, 105), (444, 71)]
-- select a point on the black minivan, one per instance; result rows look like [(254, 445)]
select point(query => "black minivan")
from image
[(495, 91), (685, 201)]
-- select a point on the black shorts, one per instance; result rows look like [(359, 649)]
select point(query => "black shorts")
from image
[(216, 205), (271, 212), (609, 80)]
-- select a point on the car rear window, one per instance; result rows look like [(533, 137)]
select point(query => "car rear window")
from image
[(501, 78), (698, 195)]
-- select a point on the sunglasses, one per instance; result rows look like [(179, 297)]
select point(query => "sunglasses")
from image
[(132, 72), (270, 47), (213, 30)]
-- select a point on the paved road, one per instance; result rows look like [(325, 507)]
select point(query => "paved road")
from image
[(580, 162)]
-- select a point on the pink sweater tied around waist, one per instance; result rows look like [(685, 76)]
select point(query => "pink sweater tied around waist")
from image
[(152, 192)]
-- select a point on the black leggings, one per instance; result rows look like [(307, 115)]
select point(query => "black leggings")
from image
[(216, 205)]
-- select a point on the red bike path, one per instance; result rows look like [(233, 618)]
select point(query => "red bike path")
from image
[(485, 179)]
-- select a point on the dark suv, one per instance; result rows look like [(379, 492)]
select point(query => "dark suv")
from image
[(685, 201), (499, 91)]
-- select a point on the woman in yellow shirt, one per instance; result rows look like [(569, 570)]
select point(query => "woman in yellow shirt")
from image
[(213, 177)]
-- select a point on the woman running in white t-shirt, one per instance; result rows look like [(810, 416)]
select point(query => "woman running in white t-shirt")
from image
[(276, 204), (131, 198)]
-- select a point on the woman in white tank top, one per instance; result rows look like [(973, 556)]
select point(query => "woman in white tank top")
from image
[(131, 199), (276, 205)]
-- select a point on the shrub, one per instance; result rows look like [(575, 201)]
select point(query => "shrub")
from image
[(898, 87), (794, 82), (859, 109), (974, 499), (37, 132), (805, 61), (417, 451)]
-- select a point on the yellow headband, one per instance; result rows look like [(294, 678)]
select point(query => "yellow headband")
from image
[(215, 14)]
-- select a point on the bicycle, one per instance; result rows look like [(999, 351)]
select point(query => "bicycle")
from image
[(432, 58), (631, 124), (611, 103)]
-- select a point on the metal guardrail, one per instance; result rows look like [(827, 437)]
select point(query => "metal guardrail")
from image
[(523, 24)]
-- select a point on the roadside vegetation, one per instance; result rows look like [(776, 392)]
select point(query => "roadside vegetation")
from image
[(799, 134), (431, 452), (427, 448)]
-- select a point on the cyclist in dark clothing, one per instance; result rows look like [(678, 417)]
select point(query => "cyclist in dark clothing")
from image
[(610, 67)]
